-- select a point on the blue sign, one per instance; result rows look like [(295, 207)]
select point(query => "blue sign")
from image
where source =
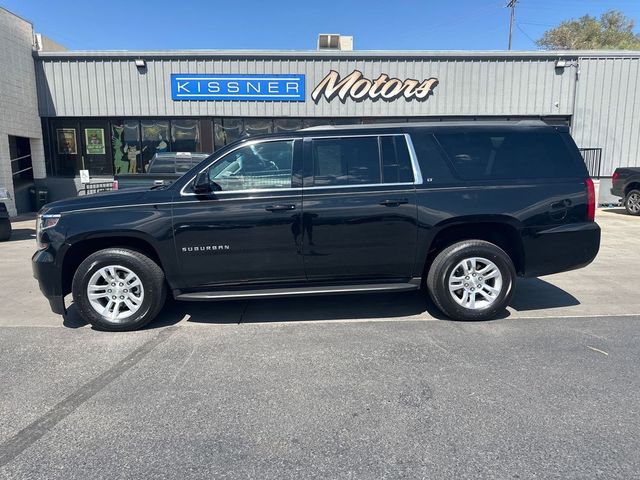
[(268, 87)]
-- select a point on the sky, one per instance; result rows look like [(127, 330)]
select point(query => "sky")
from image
[(294, 25)]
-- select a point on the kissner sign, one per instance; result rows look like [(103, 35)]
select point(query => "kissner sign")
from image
[(357, 87), (267, 87)]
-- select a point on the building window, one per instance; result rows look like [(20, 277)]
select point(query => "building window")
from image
[(125, 141), (258, 126), (96, 147), (155, 139), (66, 154), (185, 136), (283, 125), (227, 130)]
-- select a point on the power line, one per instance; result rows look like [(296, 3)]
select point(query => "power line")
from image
[(519, 27)]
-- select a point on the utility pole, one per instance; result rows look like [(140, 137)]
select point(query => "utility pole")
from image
[(512, 6)]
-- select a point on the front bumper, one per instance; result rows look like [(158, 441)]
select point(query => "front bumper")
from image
[(48, 275), (561, 248)]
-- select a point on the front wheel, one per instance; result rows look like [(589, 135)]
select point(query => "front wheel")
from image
[(118, 289), (471, 280), (632, 202)]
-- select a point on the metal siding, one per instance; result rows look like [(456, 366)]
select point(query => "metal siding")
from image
[(607, 108), (468, 86)]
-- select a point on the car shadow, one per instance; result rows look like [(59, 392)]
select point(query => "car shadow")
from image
[(530, 294), (18, 234), (537, 294)]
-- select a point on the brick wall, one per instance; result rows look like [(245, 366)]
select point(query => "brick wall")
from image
[(18, 97)]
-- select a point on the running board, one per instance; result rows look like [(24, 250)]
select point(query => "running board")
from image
[(414, 284)]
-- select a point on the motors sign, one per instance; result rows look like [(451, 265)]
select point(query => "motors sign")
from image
[(264, 87), (357, 87)]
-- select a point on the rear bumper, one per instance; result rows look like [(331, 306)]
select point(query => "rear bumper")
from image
[(561, 248), (46, 272)]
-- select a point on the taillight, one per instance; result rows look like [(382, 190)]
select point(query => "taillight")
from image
[(115, 184), (591, 200), (613, 178)]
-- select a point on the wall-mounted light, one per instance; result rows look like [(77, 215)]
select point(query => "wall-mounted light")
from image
[(561, 63), (140, 63)]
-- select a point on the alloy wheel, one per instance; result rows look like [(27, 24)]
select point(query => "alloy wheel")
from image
[(475, 283), (115, 292), (633, 203)]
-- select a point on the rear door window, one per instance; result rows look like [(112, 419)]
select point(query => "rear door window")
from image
[(509, 155), (346, 161)]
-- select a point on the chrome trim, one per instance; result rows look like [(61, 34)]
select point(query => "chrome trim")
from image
[(417, 174), (358, 185), (293, 191), (372, 192), (355, 135)]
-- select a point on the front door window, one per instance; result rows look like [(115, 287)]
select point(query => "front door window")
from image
[(264, 165)]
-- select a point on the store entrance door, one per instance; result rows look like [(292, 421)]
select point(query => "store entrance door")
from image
[(21, 171)]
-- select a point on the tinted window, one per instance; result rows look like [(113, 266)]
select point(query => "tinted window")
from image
[(396, 163), (346, 161), (162, 165), (262, 165), (508, 155), (433, 163)]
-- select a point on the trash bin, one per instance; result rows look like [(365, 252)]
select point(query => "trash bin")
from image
[(39, 197)]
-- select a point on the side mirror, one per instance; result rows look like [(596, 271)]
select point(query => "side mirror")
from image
[(202, 184)]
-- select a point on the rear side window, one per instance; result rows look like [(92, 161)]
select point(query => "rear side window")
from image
[(396, 163), (509, 155), (433, 163), (346, 161)]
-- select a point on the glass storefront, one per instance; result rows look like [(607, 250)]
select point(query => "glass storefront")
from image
[(125, 141), (108, 146)]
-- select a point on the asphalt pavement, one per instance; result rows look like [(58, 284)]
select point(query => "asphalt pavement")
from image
[(364, 386)]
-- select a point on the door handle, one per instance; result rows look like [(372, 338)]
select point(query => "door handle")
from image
[(279, 208), (394, 203)]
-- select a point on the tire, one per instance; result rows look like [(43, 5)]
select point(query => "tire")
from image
[(143, 300), (5, 229), (632, 202), (489, 300)]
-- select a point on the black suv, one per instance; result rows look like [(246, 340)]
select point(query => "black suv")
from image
[(460, 208)]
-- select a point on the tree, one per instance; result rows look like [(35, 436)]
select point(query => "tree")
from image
[(613, 31)]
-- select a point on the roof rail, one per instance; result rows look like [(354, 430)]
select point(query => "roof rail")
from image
[(318, 127)]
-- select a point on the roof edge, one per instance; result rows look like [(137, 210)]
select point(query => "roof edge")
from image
[(151, 54)]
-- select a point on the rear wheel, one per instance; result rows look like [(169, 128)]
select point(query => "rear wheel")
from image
[(118, 289), (632, 202), (471, 280)]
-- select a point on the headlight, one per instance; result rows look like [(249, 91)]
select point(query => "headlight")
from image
[(44, 222)]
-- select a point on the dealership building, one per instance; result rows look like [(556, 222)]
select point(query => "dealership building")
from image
[(108, 112)]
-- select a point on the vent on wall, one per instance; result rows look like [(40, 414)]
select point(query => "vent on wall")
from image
[(334, 41)]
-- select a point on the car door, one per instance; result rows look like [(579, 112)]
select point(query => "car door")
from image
[(359, 208), (244, 233)]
